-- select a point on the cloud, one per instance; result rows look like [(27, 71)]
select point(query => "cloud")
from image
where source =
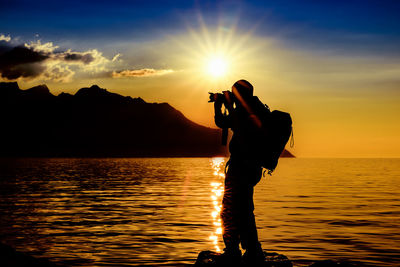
[(91, 57), (140, 73), (116, 57), (25, 71), (58, 73), (85, 58), (20, 61), (5, 38), (37, 46), (89, 61), (46, 61)]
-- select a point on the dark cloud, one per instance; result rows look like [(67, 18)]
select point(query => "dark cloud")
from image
[(24, 70), (85, 58), (30, 61), (46, 61), (20, 61)]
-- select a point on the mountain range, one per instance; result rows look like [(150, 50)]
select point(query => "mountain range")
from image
[(97, 123)]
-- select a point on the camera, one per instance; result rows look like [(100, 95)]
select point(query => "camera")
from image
[(224, 97)]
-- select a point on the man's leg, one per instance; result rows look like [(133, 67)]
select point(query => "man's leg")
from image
[(232, 255), (248, 229), (247, 225), (230, 211)]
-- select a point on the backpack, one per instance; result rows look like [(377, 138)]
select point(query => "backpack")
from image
[(274, 133)]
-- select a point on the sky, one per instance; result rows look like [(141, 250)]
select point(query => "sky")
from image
[(333, 65)]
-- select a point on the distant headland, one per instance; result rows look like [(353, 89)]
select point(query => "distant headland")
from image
[(97, 123)]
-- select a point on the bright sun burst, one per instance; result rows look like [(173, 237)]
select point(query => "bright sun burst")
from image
[(215, 57), (217, 66)]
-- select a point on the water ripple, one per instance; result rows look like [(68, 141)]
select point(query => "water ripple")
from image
[(130, 212)]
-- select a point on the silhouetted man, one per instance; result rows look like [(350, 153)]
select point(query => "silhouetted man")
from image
[(244, 172)]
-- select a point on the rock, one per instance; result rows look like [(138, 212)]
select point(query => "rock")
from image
[(208, 258), (273, 259)]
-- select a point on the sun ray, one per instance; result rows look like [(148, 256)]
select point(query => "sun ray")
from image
[(214, 57)]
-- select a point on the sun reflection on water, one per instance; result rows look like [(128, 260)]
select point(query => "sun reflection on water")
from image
[(217, 191)]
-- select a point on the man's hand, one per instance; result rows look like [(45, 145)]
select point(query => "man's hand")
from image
[(218, 104), (221, 120)]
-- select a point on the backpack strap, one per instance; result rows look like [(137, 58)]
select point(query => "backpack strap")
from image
[(291, 139)]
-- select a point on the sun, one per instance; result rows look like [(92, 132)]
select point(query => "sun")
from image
[(217, 66), (214, 57)]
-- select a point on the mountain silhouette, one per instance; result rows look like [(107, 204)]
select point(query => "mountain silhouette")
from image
[(97, 123)]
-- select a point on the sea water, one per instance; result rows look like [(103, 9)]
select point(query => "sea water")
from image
[(164, 211)]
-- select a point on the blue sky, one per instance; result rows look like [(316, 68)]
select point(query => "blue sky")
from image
[(357, 25)]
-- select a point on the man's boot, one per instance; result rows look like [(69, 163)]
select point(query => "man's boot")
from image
[(230, 257), (254, 256)]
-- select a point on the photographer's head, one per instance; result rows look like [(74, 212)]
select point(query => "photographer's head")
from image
[(242, 90)]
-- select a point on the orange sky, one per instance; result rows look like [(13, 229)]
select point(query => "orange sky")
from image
[(342, 105)]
